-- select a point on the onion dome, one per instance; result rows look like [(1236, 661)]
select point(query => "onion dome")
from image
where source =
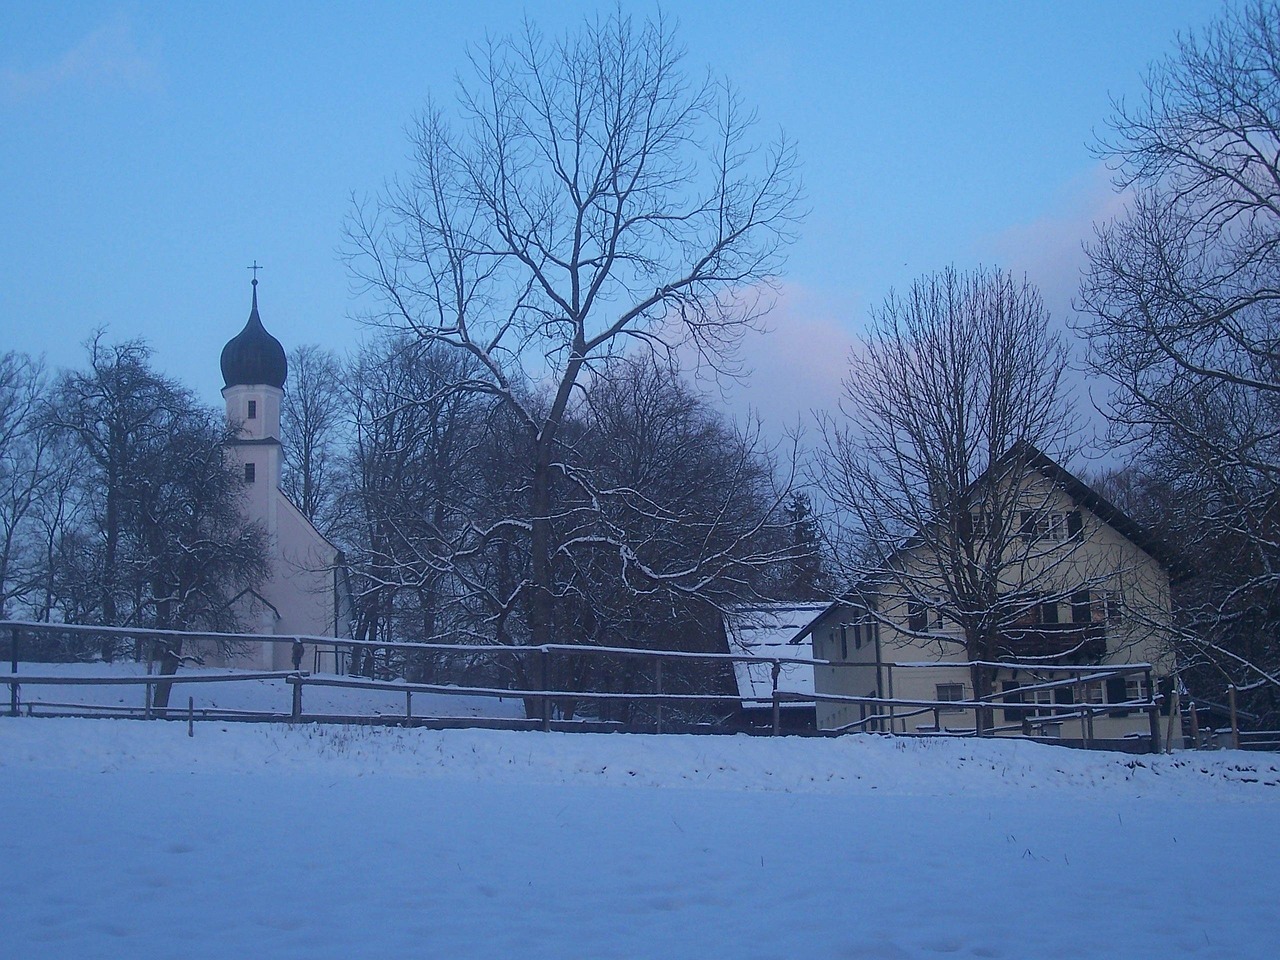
[(253, 356)]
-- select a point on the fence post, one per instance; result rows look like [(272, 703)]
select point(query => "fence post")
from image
[(1153, 713), (146, 701), (545, 658), (777, 706), (13, 670), (1173, 715), (893, 722), (191, 716), (1195, 726), (658, 685), (408, 708), (1235, 717), (296, 714)]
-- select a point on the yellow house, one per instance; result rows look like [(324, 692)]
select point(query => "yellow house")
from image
[(1072, 640)]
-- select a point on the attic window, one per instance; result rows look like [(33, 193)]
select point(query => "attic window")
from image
[(1054, 525), (253, 410), (250, 472)]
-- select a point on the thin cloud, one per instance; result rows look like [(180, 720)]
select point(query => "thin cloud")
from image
[(797, 367), (1050, 250), (105, 59)]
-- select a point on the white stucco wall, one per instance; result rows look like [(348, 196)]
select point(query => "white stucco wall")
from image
[(299, 597)]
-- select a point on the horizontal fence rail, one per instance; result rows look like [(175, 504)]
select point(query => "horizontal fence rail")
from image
[(542, 697)]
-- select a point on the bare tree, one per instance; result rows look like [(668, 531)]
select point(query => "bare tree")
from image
[(24, 465), (593, 199), (164, 544), (687, 519), (311, 421), (938, 462), (413, 479), (1184, 290)]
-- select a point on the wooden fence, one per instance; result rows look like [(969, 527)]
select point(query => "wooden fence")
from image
[(880, 714)]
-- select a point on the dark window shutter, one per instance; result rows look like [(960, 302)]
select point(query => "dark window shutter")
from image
[(1081, 612), (1028, 527), (1009, 687), (1049, 611), (1075, 523), (844, 642), (1165, 686), (1064, 695), (1116, 694), (916, 616)]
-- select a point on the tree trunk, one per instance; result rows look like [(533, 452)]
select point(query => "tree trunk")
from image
[(982, 683), (170, 660)]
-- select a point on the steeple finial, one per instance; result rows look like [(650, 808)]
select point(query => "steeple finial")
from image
[(255, 268)]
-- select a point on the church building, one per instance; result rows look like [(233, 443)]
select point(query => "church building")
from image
[(306, 593)]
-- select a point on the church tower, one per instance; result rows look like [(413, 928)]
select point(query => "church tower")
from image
[(306, 592)]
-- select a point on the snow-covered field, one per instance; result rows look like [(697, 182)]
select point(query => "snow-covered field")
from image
[(129, 839)]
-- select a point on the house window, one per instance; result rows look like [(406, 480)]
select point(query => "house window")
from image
[(1049, 611), (1044, 700), (253, 410), (949, 693), (1092, 692), (1042, 697), (250, 471), (1112, 609), (1054, 525), (1136, 689), (982, 524)]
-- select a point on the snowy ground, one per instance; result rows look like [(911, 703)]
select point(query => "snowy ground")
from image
[(128, 839)]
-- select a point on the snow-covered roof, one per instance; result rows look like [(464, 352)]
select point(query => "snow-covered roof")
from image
[(772, 630)]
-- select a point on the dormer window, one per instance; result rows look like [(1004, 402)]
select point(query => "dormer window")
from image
[(250, 472), (253, 410)]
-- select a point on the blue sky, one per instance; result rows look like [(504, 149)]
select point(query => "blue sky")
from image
[(150, 151)]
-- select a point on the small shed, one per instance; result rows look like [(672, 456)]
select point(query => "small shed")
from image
[(764, 632)]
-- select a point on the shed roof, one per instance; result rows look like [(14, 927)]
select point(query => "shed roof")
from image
[(772, 630)]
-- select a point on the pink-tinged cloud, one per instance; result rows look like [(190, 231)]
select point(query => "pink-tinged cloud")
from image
[(796, 366), (106, 58), (1050, 250)]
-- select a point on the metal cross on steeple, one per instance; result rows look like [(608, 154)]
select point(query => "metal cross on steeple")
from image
[(255, 268)]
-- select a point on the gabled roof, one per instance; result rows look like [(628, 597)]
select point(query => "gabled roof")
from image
[(772, 630), (1080, 493)]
